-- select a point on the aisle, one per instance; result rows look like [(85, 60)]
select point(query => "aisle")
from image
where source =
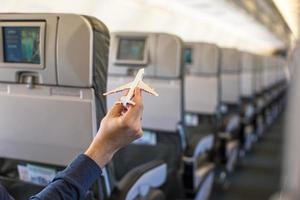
[(259, 176)]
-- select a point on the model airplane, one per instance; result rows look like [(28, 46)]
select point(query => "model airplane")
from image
[(137, 82)]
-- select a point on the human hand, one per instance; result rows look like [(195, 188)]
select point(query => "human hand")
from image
[(118, 128)]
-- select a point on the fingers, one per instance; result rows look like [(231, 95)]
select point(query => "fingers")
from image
[(116, 110), (135, 112), (138, 108), (137, 95)]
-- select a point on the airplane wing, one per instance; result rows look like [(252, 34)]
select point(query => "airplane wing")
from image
[(119, 89), (147, 88)]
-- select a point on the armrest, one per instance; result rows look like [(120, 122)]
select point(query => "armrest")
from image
[(139, 180), (233, 123), (200, 139), (203, 145)]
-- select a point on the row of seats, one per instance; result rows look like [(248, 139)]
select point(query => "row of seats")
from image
[(214, 104), (208, 107)]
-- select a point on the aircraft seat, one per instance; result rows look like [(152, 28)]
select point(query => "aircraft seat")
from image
[(278, 86), (160, 54), (230, 132), (201, 97), (141, 182), (259, 101), (53, 72), (269, 84), (202, 78), (163, 120), (248, 97)]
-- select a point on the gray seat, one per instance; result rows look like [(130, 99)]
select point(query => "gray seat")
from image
[(160, 54), (273, 72), (248, 100), (230, 98), (202, 98), (163, 124), (51, 95), (259, 100), (267, 82)]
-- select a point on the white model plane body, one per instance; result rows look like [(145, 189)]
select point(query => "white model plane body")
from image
[(137, 82)]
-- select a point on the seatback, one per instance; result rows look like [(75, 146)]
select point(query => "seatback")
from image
[(161, 56), (266, 73), (247, 75), (49, 104), (230, 89), (282, 70), (269, 72), (248, 62), (162, 61), (274, 68), (202, 78), (230, 76), (259, 63), (53, 70), (280, 66)]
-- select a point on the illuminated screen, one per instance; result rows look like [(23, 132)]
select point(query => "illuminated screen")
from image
[(131, 49), (21, 44), (188, 57)]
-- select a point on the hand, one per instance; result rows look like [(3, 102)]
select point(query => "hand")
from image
[(118, 128)]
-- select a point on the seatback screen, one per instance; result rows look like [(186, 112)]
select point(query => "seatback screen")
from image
[(131, 49), (21, 44), (188, 57)]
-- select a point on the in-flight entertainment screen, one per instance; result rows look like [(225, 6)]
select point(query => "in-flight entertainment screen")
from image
[(21, 44), (131, 49), (188, 57)]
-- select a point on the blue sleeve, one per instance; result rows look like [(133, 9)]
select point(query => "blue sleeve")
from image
[(73, 182), (4, 194)]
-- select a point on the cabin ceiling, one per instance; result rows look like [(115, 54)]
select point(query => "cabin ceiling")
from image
[(228, 23), (290, 11)]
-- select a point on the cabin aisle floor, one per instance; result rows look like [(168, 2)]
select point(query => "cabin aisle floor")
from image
[(258, 177)]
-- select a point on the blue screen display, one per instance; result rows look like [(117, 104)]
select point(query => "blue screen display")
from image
[(21, 44), (188, 57)]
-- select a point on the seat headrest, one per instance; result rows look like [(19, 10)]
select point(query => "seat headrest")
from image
[(230, 61), (159, 53), (54, 49), (201, 58)]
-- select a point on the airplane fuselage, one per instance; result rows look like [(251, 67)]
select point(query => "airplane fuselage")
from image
[(139, 77)]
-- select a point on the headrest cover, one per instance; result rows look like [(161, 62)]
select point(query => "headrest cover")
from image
[(159, 53), (56, 49), (201, 58), (230, 61)]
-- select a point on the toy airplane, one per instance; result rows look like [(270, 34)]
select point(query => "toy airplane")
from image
[(137, 82)]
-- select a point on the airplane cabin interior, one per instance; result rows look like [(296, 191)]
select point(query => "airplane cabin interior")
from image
[(219, 88)]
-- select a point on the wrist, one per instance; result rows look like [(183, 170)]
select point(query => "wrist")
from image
[(100, 154)]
